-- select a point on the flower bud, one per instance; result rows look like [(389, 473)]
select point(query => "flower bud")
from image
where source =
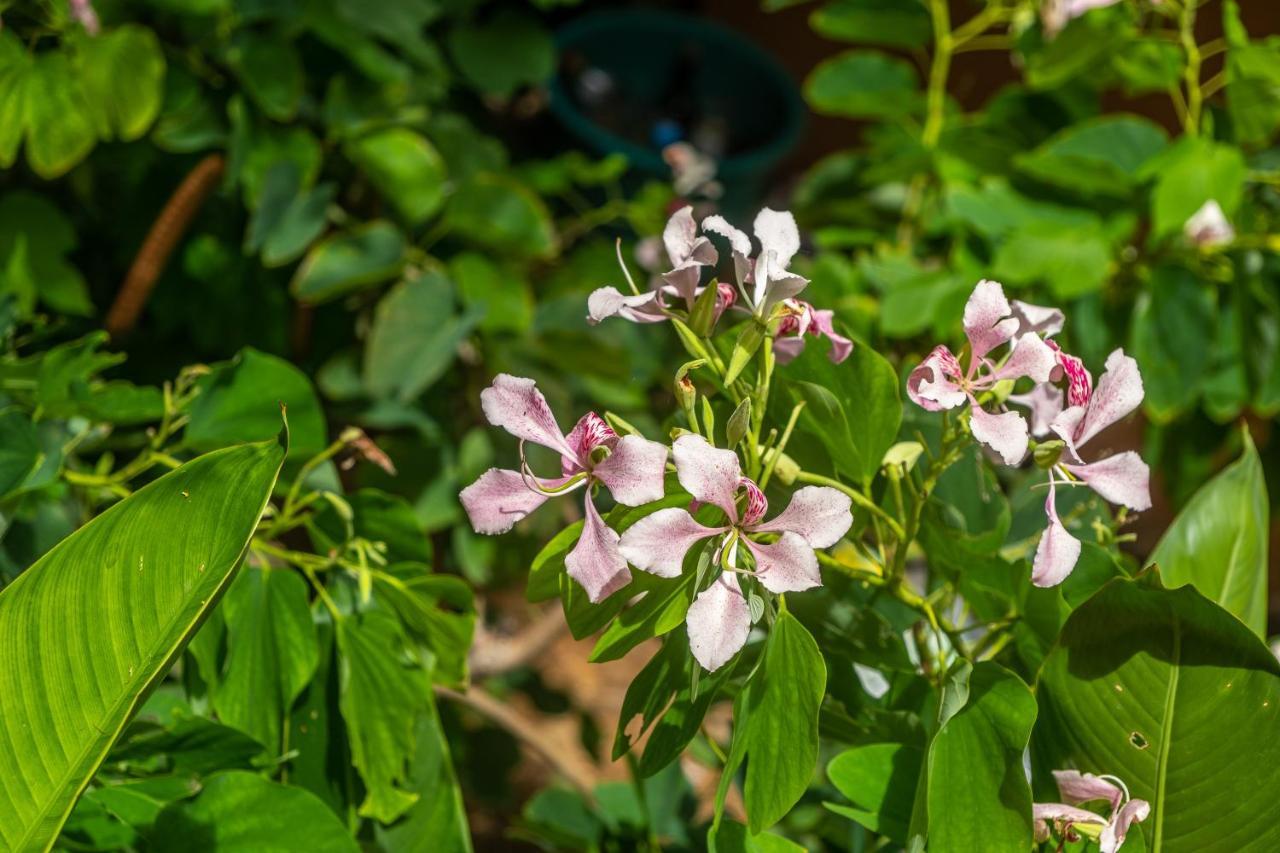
[(739, 423), (1047, 453)]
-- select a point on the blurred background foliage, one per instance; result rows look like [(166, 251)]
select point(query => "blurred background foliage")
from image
[(367, 209)]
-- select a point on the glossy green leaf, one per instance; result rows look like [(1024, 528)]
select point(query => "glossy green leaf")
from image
[(1172, 338), (241, 398), (349, 260), (732, 837), (863, 84), (1191, 172), (271, 651), (15, 66), (975, 786), (1175, 696), (782, 733), (122, 72), (382, 697), (1218, 542), (414, 339), (79, 649), (852, 408), (1071, 259), (33, 226), (880, 780), (239, 812), (1101, 156), (892, 23), (405, 168), (60, 130)]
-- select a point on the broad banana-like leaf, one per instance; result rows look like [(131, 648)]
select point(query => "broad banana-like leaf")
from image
[(95, 623)]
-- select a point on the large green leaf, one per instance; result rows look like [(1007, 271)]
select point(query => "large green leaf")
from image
[(122, 72), (880, 779), (893, 23), (1219, 541), (405, 168), (60, 131), (498, 212), (414, 338), (92, 626), (975, 787), (349, 260), (1101, 156), (240, 398), (1172, 337), (782, 726), (852, 408), (1191, 172), (863, 84), (19, 449), (503, 54), (240, 812), (381, 699), (1173, 695), (271, 652)]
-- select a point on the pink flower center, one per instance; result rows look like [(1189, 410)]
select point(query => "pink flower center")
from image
[(757, 505), (1079, 382), (799, 310)]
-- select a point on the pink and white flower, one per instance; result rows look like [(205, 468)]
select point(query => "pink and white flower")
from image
[(1077, 788), (1122, 478), (803, 319), (939, 382), (765, 281), (719, 619), (631, 468)]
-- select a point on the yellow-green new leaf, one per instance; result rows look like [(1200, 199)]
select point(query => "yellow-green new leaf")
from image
[(96, 622)]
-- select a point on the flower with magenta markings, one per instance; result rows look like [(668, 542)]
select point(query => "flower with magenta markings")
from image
[(803, 319), (939, 382), (1122, 478), (1070, 820), (719, 619), (631, 468)]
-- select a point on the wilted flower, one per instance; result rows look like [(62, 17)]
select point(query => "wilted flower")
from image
[(1122, 478), (939, 382), (1077, 788), (631, 467), (719, 619), (803, 319), (1208, 227)]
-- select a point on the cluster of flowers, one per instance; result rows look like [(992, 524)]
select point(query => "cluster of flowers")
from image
[(763, 284), (1070, 821), (1064, 402), (779, 552)]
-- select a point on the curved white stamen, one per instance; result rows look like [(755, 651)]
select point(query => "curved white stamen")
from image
[(1119, 783), (531, 480)]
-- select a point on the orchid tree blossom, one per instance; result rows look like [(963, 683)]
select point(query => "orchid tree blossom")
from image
[(719, 619), (939, 382), (688, 252), (803, 319), (1122, 478), (765, 281), (1056, 14), (631, 468), (1078, 788)]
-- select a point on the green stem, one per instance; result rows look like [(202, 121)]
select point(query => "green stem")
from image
[(776, 452), (939, 69), (1191, 74)]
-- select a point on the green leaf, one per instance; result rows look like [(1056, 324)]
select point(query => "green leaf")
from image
[(414, 339), (659, 611), (782, 733), (501, 55), (975, 787), (437, 611), (660, 701), (19, 449), (122, 72), (381, 699), (499, 213), (36, 238), (1073, 260), (270, 70), (863, 84), (437, 823), (1172, 338), (239, 812), (15, 67), (891, 23), (1087, 43), (405, 168), (60, 130), (744, 348), (271, 652), (852, 408), (1100, 156), (349, 260), (1191, 172), (501, 293), (1218, 542), (732, 837), (1166, 690), (240, 399), (162, 558), (880, 780), (1253, 98)]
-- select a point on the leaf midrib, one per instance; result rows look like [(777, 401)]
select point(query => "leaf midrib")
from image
[(1166, 733)]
